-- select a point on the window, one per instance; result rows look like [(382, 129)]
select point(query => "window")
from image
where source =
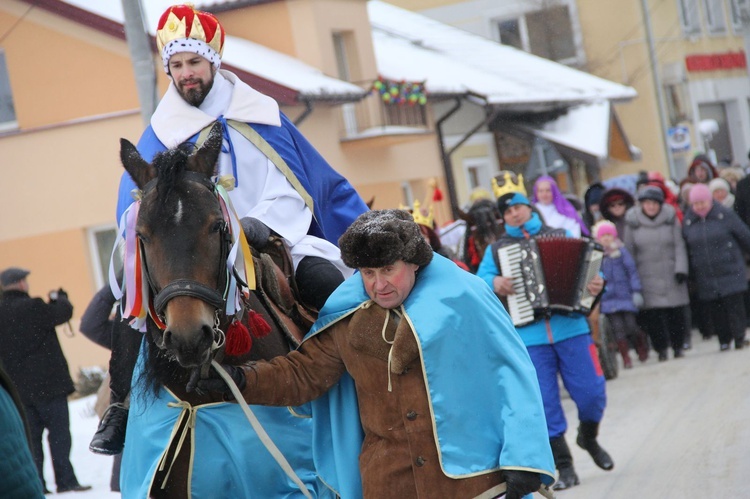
[(689, 17), (7, 109), (101, 242), (510, 33), (547, 33), (715, 20), (735, 13)]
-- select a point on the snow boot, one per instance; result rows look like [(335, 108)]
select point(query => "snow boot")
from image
[(566, 475), (641, 345), (587, 433), (624, 348)]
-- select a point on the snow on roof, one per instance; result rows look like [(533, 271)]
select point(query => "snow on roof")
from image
[(585, 128), (414, 47), (243, 54)]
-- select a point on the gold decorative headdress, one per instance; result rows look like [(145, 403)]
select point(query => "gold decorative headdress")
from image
[(508, 185)]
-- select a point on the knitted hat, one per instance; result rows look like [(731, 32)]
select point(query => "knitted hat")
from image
[(183, 29), (719, 183), (604, 227), (512, 198), (699, 192), (381, 237), (652, 193), (12, 275)]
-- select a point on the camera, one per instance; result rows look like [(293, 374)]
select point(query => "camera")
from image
[(54, 295)]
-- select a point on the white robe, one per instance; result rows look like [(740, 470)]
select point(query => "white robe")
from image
[(556, 220), (262, 191)]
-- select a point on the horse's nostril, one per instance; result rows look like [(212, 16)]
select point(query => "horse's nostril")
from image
[(167, 338)]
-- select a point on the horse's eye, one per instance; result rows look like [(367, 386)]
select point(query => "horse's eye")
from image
[(143, 238), (218, 226)]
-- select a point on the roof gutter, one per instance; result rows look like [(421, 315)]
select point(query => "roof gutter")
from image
[(302, 117), (450, 182)]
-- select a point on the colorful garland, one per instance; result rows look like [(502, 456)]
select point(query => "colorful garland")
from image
[(400, 92)]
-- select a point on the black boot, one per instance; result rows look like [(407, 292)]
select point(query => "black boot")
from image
[(109, 438), (587, 433), (567, 477)]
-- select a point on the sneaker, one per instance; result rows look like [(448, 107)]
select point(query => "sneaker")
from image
[(109, 438), (75, 488), (724, 347)]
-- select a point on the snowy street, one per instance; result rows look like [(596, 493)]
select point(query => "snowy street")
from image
[(674, 429)]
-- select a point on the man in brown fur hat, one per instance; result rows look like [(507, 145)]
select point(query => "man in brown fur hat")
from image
[(420, 386)]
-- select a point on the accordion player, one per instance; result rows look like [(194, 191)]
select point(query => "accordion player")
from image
[(550, 273)]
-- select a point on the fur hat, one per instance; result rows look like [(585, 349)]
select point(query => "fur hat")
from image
[(183, 29), (699, 192), (381, 237), (652, 193)]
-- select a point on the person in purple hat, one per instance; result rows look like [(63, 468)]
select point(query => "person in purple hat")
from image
[(557, 211)]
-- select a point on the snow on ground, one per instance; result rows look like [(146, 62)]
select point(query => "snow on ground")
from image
[(91, 469)]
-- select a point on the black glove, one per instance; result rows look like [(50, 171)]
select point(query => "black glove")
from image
[(256, 232), (680, 277), (215, 383), (520, 483)]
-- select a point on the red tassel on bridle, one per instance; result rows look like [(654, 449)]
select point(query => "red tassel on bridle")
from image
[(257, 324), (238, 339)]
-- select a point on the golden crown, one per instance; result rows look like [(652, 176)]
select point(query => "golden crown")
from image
[(418, 215), (183, 21), (508, 185)]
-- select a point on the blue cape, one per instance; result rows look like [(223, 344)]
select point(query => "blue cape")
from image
[(483, 389), (336, 204), (229, 458)]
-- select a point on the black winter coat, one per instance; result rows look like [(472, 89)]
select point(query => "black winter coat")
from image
[(715, 245), (30, 351)]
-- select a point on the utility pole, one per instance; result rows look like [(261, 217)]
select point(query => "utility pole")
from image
[(141, 57), (663, 120)]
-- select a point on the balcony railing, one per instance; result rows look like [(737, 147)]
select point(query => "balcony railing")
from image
[(372, 116)]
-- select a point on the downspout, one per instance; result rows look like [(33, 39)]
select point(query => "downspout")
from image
[(447, 167), (302, 117)]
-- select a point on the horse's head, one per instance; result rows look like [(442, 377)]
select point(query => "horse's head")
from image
[(183, 236)]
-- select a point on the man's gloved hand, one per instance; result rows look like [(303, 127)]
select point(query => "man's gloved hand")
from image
[(638, 300), (680, 277), (519, 483), (215, 383), (256, 232)]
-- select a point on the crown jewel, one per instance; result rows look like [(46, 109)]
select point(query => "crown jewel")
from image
[(508, 185)]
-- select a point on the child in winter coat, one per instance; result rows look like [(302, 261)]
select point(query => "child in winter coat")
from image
[(622, 294)]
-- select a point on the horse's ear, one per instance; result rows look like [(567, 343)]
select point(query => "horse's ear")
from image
[(370, 202), (205, 158), (464, 216), (141, 171)]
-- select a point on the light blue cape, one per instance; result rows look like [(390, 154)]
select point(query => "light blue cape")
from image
[(484, 394)]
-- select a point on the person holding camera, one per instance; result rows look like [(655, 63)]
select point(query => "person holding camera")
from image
[(33, 359)]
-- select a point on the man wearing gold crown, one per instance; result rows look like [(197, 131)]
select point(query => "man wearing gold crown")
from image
[(281, 183), (557, 343)]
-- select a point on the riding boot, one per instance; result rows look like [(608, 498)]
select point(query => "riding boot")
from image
[(624, 348), (587, 432), (109, 438), (641, 345), (566, 475)]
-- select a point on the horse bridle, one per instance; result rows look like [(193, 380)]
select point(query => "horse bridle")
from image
[(189, 287)]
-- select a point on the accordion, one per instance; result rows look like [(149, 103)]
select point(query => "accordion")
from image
[(550, 273)]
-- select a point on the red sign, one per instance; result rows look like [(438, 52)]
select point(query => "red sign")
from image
[(716, 62)]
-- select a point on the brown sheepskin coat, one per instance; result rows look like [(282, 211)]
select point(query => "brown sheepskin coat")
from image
[(399, 457)]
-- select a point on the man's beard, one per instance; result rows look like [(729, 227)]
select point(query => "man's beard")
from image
[(196, 95)]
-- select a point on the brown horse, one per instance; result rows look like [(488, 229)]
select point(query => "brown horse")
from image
[(181, 442)]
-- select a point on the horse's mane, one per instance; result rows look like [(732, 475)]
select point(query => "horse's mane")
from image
[(169, 165)]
